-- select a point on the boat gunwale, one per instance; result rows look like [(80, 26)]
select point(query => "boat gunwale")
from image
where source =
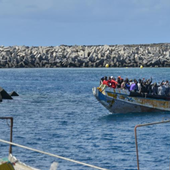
[(138, 96)]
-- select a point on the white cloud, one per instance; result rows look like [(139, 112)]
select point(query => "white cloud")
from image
[(84, 10)]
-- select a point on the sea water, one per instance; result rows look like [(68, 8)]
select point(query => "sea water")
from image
[(56, 112)]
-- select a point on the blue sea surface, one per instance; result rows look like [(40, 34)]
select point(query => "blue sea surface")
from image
[(56, 112)]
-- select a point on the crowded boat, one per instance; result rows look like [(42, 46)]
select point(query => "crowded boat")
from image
[(137, 88)]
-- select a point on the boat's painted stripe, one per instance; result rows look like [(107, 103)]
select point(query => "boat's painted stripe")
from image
[(137, 96)]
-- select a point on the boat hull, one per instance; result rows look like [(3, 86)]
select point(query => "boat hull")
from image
[(123, 103)]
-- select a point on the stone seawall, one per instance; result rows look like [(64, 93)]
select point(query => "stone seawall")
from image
[(149, 55)]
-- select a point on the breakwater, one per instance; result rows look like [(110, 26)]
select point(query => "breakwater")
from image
[(148, 55)]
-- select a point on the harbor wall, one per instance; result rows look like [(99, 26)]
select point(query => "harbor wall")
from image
[(148, 55)]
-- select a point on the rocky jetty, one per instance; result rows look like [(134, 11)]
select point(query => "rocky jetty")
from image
[(148, 55)]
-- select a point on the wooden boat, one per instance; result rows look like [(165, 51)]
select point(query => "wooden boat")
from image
[(124, 101)]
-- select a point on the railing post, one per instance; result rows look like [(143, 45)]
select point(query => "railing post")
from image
[(11, 128)]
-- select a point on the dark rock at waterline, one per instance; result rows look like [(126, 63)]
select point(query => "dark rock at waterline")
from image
[(0, 97), (13, 93), (4, 94)]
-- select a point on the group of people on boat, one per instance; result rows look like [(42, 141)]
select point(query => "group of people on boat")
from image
[(140, 86)]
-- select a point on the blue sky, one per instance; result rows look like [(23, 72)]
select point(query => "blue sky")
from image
[(84, 22)]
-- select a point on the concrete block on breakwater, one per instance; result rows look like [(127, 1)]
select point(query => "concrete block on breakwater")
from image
[(4, 94), (148, 55), (13, 93)]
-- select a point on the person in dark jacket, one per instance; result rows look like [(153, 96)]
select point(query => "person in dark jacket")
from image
[(119, 81)]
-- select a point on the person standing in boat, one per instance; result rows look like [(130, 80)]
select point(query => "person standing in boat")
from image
[(119, 81), (143, 87), (127, 84), (109, 82), (130, 81), (139, 85), (113, 82), (105, 81), (101, 80), (134, 86), (167, 87), (155, 89), (161, 89), (123, 84), (148, 85)]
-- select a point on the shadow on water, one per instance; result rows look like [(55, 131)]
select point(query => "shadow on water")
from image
[(125, 117)]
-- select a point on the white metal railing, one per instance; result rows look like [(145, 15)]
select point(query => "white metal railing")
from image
[(53, 155)]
